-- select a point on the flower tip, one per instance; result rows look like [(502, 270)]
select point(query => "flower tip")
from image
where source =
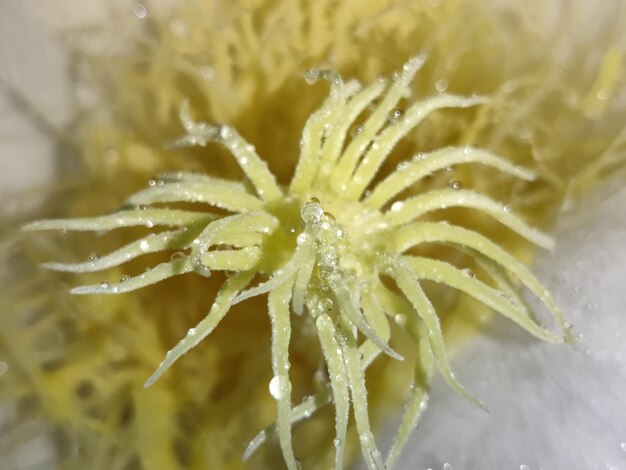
[(391, 353), (415, 63), (148, 383)]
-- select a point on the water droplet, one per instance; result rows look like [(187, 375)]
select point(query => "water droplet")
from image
[(623, 446), (224, 132), (177, 255), (454, 184), (400, 319), (394, 116), (447, 466), (93, 257), (357, 130), (311, 76), (441, 85), (311, 212), (603, 94), (467, 149), (279, 387), (152, 182), (396, 206), (140, 11), (124, 279), (468, 272), (449, 168), (325, 305), (507, 208), (302, 238), (144, 245), (104, 285), (523, 467)]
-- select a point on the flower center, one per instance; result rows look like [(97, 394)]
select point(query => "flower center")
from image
[(346, 234)]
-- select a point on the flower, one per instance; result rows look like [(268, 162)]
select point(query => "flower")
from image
[(337, 247)]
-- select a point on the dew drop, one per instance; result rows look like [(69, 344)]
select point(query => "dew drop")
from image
[(394, 116), (447, 466), (311, 76), (603, 94), (224, 132), (124, 279), (449, 169), (507, 208), (144, 245), (357, 130), (177, 255), (152, 182), (140, 11), (400, 319), (468, 272), (104, 285), (454, 184), (279, 387), (396, 206), (302, 238), (93, 257), (325, 305), (623, 446), (441, 85), (311, 212)]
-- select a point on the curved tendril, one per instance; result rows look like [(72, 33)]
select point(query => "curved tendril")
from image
[(221, 306), (280, 386), (417, 206)]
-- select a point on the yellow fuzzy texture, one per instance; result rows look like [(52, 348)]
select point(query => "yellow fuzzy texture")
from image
[(78, 364)]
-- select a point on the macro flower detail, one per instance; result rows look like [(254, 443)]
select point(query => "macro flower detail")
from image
[(337, 247)]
